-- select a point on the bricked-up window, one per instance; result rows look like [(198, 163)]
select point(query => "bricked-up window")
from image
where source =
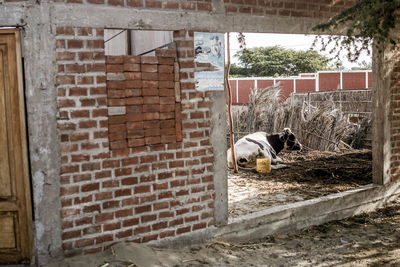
[(156, 192), (143, 100)]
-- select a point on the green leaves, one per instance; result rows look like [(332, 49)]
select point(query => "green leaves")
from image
[(276, 60), (366, 21)]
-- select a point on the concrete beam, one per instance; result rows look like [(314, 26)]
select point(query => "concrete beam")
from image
[(12, 15), (307, 213), (129, 18), (218, 6)]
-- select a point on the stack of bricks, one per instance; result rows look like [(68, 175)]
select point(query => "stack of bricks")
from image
[(143, 100)]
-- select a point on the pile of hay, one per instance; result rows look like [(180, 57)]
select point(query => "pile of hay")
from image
[(317, 128)]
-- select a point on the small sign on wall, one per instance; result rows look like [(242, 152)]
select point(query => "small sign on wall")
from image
[(209, 59)]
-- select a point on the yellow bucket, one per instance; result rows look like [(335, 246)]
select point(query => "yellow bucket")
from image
[(263, 165)]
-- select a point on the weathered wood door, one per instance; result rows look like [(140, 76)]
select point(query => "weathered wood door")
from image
[(15, 201)]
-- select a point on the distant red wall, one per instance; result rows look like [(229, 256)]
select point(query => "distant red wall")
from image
[(287, 88), (305, 85), (329, 81), (369, 79), (354, 80), (244, 90), (261, 84), (232, 83)]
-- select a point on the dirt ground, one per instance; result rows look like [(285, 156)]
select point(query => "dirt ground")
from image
[(307, 175), (365, 240)]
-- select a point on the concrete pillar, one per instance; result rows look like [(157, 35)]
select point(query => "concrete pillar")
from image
[(39, 51), (384, 61), (219, 143)]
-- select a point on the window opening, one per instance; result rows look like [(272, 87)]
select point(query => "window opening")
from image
[(327, 109)]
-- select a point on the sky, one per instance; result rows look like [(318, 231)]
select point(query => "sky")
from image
[(292, 41)]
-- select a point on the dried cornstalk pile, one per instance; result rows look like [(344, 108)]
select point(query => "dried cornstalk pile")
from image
[(318, 128)]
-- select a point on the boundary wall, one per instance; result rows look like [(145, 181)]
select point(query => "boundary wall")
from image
[(304, 83)]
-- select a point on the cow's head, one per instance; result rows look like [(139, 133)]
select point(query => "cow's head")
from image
[(289, 139)]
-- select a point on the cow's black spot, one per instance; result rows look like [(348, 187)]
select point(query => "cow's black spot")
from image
[(276, 143), (255, 142), (290, 143), (242, 160)]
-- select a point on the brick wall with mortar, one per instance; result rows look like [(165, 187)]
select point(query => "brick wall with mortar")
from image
[(144, 100), (289, 8), (107, 196), (395, 116)]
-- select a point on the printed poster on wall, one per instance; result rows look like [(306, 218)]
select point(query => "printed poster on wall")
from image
[(209, 52)]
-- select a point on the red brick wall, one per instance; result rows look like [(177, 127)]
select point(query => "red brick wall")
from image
[(395, 118), (286, 8), (108, 195), (299, 8), (143, 100)]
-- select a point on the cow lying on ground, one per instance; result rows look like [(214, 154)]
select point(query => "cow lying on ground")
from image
[(261, 145)]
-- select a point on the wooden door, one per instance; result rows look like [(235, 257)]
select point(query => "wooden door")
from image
[(15, 201)]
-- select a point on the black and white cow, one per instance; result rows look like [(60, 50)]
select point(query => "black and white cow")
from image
[(261, 145)]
